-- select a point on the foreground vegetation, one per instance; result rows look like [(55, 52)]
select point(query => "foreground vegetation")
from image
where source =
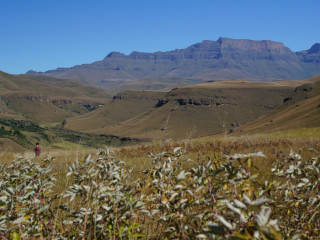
[(205, 189)]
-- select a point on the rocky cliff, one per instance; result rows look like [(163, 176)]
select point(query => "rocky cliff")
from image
[(222, 59)]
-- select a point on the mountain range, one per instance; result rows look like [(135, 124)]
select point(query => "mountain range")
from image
[(208, 60)]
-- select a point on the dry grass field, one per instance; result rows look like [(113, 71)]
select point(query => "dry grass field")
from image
[(251, 187)]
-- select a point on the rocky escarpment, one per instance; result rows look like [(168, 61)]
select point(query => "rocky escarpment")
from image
[(263, 98), (222, 59), (139, 95), (303, 92), (215, 100), (312, 55), (197, 97), (61, 103)]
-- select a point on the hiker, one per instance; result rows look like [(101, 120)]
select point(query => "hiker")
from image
[(37, 150)]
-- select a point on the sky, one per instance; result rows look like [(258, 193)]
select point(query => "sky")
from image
[(41, 35)]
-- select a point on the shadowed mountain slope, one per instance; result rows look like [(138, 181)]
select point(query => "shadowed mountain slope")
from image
[(222, 59)]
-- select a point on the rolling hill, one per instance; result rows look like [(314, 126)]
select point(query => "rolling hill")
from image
[(34, 108), (192, 111), (208, 60), (123, 107), (45, 99), (301, 109)]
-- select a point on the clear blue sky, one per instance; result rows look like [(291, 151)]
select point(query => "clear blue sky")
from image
[(46, 34)]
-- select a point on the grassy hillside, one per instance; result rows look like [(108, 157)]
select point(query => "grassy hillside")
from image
[(48, 102), (46, 99), (188, 112), (161, 84), (48, 86), (123, 107), (301, 109), (72, 112)]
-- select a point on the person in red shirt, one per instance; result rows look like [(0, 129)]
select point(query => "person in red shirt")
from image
[(37, 150)]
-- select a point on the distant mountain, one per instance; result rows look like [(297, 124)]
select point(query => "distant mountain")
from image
[(209, 60)]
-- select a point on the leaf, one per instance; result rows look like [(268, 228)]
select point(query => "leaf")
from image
[(249, 163), (295, 237), (238, 211), (201, 236), (164, 199), (146, 212), (244, 236), (239, 203), (263, 216), (179, 186), (312, 150), (246, 199), (239, 156), (136, 235), (173, 196), (260, 201), (182, 175), (15, 236), (18, 221), (234, 209), (224, 222), (258, 154), (271, 233), (3, 198), (176, 149)]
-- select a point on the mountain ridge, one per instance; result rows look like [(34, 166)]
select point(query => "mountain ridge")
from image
[(223, 59)]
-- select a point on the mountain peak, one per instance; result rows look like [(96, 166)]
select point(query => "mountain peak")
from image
[(32, 72), (115, 55), (314, 49), (246, 44)]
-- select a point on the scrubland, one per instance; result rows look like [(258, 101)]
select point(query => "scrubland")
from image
[(252, 187)]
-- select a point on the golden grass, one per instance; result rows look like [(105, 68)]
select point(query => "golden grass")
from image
[(66, 146), (296, 133), (274, 146), (198, 150)]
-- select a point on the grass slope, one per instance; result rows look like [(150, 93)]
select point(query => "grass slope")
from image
[(300, 110), (161, 84), (123, 107), (193, 111), (46, 99), (48, 86)]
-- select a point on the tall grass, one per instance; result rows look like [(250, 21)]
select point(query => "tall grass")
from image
[(235, 188)]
